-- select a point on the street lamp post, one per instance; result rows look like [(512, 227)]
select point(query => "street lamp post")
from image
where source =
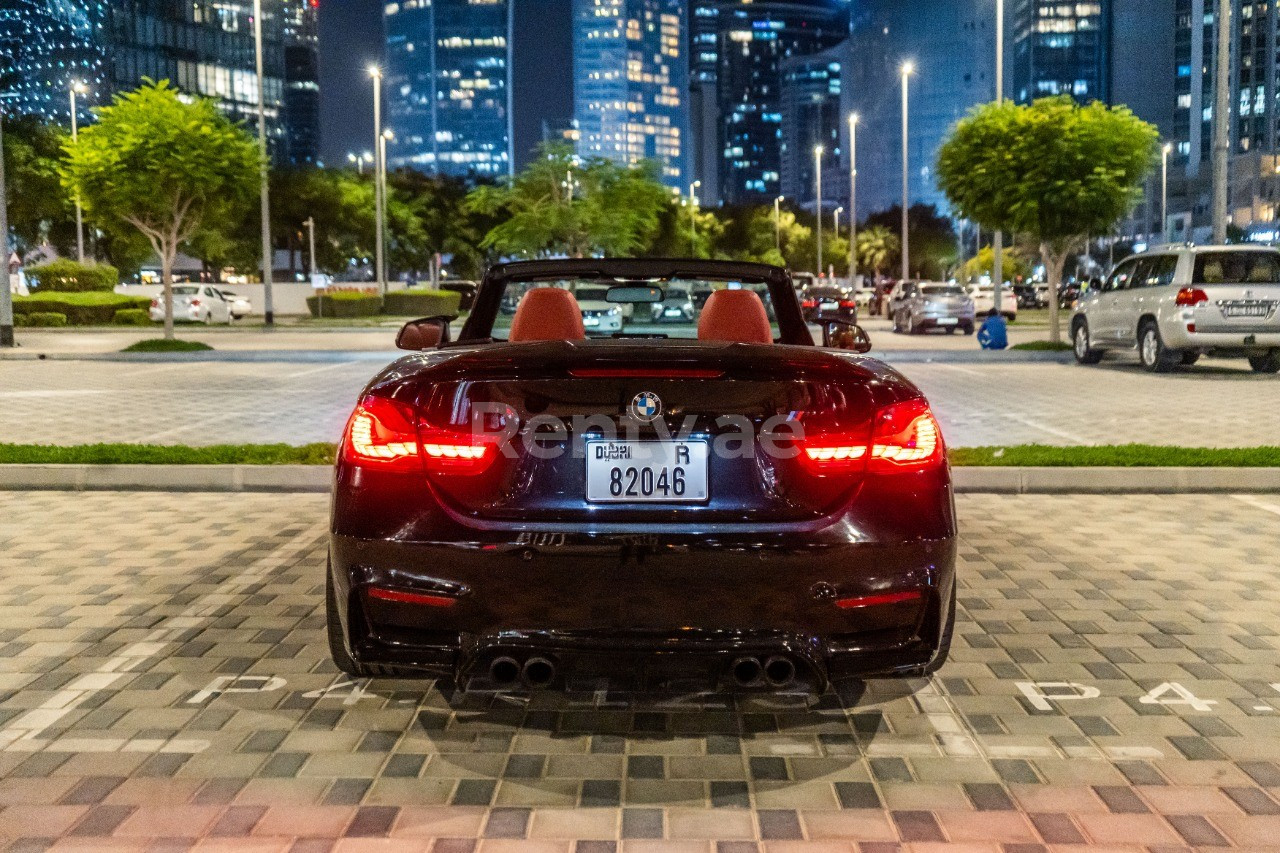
[(817, 159), (268, 259), (77, 88), (360, 159), (1222, 121), (997, 239), (908, 68), (693, 218), (6, 296), (1164, 192), (376, 73), (835, 225), (777, 223), (386, 226), (853, 200)]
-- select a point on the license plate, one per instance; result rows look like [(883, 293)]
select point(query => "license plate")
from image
[(674, 312), (646, 471), (947, 321), (1247, 309), (828, 306), (590, 321)]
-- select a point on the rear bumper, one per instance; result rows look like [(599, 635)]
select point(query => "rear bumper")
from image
[(1239, 339), (643, 606)]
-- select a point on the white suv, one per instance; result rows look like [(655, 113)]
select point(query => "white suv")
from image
[(1177, 303)]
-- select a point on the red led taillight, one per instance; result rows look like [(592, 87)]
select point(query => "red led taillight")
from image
[(848, 303), (195, 303), (1190, 297), (382, 433), (397, 596), (904, 436), (878, 599), (809, 303)]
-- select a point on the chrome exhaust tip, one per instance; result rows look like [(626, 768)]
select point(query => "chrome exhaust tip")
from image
[(538, 672), (504, 670), (779, 671), (746, 672)]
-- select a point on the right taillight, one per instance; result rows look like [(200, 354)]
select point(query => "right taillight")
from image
[(905, 435), (1190, 297)]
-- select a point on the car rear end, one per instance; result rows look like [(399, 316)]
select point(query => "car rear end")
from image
[(1229, 303), (188, 304), (942, 306), (570, 538)]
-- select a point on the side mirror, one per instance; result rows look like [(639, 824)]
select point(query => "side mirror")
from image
[(427, 333), (842, 333)]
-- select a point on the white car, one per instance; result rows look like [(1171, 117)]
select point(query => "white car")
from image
[(196, 303), (240, 306), (598, 314), (1177, 304), (984, 299)]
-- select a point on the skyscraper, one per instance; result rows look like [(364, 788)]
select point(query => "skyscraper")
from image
[(448, 86), (631, 82), (1062, 48), (812, 116), (301, 82), (754, 38), (202, 47)]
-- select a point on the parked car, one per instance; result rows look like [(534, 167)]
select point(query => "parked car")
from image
[(196, 303), (240, 306), (921, 305), (676, 306), (984, 299), (1032, 294), (828, 300), (1175, 305), (598, 313), (657, 534)]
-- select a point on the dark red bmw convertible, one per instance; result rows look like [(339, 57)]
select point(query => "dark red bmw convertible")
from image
[(571, 491)]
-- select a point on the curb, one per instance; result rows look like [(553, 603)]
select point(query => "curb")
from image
[(318, 478)]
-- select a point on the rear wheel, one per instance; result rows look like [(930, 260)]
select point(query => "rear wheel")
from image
[(1084, 353), (1269, 363), (951, 330), (1156, 357)]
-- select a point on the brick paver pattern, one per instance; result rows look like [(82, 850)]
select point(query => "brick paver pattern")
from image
[(165, 684), (52, 402)]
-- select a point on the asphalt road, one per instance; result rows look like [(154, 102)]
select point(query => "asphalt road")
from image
[(165, 685)]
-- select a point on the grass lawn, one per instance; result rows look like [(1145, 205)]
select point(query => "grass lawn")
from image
[(164, 345), (1043, 346), (1026, 455)]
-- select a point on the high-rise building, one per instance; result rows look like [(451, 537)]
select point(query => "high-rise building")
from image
[(952, 47), (447, 86), (704, 149), (301, 82), (205, 47), (754, 39), (1062, 48), (812, 114), (631, 82)]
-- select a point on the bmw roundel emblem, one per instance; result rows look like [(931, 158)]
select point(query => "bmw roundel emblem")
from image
[(646, 407)]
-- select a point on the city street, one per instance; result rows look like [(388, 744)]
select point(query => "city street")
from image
[(165, 680), (1214, 404)]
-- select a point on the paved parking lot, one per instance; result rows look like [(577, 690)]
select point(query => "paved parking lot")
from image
[(164, 684), (74, 402)]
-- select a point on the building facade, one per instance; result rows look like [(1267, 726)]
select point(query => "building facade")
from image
[(812, 113), (447, 86), (631, 83), (1062, 48), (302, 82), (952, 48), (202, 47)]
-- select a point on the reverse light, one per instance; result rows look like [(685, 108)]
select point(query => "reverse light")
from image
[(878, 599), (1190, 297), (905, 435)]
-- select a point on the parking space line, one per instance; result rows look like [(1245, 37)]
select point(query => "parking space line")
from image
[(1256, 503), (22, 734)]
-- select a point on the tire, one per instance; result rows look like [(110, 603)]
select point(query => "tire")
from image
[(913, 329), (1155, 356), (951, 330), (968, 329), (208, 318), (1269, 363), (1189, 358), (897, 326), (1084, 353)]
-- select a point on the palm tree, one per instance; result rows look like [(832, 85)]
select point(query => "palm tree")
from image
[(877, 247)]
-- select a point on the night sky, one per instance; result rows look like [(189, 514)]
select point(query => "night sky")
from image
[(351, 38)]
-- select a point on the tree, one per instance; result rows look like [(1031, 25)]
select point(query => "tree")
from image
[(1012, 264), (562, 204), (1053, 171), (164, 164), (932, 239), (39, 208), (878, 249)]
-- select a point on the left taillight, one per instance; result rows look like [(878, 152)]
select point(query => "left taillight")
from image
[(385, 434)]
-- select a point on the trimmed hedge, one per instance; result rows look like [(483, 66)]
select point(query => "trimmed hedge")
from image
[(82, 309), (45, 319), (132, 317), (422, 303), (66, 276), (345, 304)]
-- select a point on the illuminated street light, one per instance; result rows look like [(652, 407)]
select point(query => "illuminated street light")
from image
[(908, 68), (853, 200), (1164, 192), (268, 254), (77, 88), (379, 261), (817, 159), (693, 218), (777, 223)]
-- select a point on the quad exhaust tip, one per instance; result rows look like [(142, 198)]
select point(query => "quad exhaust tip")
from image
[(779, 671), (504, 670), (538, 672), (747, 672)]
